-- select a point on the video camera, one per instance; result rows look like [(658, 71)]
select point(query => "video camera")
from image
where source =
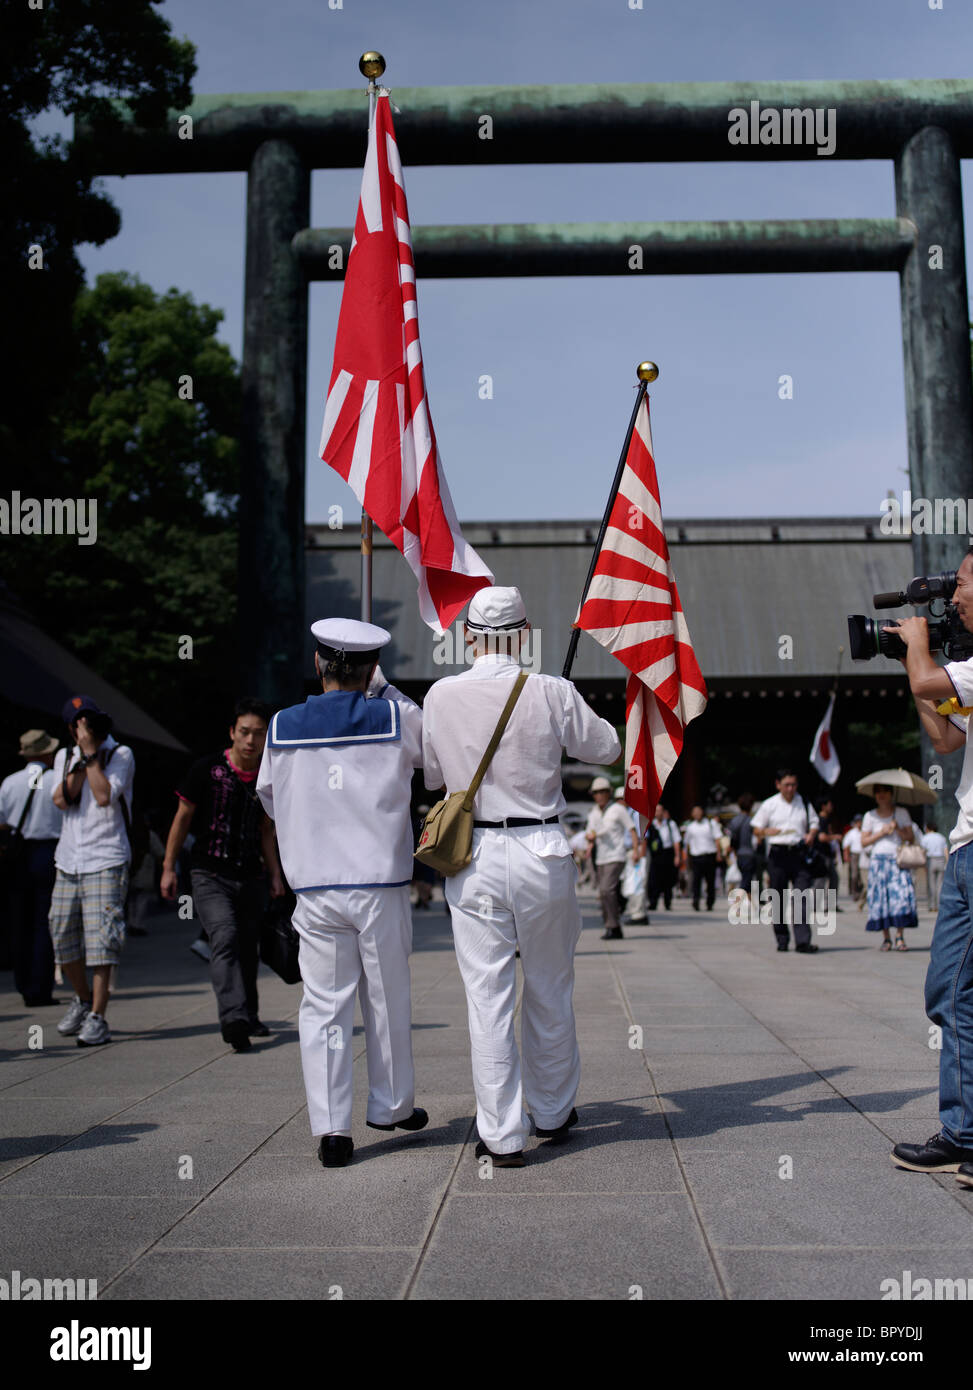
[(868, 637)]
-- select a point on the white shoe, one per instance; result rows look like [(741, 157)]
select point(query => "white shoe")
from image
[(74, 1018), (94, 1031)]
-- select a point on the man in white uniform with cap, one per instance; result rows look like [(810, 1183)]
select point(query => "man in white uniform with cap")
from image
[(336, 777), (519, 889)]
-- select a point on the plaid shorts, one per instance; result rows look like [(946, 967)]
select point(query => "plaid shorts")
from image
[(95, 904)]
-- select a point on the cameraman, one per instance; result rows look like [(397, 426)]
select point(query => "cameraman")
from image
[(949, 979)]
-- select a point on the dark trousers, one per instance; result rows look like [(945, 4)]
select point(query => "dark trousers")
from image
[(28, 904), (786, 867), (230, 912), (704, 867), (662, 877)]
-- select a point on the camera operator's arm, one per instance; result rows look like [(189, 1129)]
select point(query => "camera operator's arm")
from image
[(930, 685)]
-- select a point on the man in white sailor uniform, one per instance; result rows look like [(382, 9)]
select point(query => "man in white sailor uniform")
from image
[(519, 889), (336, 778)]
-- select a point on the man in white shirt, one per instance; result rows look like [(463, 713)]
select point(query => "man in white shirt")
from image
[(663, 839), (851, 848), (93, 787), (519, 889), (949, 978), (789, 826), (609, 832), (32, 824), (936, 851), (336, 778), (701, 839)]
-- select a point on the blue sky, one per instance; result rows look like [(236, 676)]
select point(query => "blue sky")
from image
[(562, 352)]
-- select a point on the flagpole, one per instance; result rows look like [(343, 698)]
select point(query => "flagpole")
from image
[(370, 65), (646, 372)]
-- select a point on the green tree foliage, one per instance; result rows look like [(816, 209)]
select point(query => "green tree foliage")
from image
[(70, 58), (148, 427)]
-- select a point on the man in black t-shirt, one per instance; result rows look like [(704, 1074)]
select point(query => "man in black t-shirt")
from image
[(233, 840)]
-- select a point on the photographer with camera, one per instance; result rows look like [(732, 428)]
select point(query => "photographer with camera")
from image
[(949, 979)]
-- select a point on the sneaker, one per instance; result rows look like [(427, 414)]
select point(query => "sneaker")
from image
[(200, 947), (936, 1155), (73, 1019), (964, 1174), (94, 1031)]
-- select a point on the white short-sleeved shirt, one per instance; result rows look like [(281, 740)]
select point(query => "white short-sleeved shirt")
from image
[(701, 836), (790, 818), (872, 821), (667, 831), (613, 833), (934, 845), (961, 675), (94, 837), (853, 840), (43, 820)]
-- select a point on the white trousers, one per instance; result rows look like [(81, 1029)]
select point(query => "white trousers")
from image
[(355, 940), (513, 896)]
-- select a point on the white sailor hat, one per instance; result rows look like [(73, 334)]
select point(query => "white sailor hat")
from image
[(347, 636), (496, 609), (600, 784)]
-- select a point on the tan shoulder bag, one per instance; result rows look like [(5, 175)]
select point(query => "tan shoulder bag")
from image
[(446, 840)]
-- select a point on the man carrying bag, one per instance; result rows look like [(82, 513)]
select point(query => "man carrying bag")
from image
[(518, 889)]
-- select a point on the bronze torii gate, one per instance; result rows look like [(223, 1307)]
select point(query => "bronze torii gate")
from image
[(925, 127)]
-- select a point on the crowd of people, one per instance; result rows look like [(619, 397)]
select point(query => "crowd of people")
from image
[(254, 813)]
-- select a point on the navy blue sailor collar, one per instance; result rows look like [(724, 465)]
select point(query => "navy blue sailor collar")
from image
[(339, 716)]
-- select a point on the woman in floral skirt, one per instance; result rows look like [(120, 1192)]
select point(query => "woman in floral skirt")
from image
[(891, 891)]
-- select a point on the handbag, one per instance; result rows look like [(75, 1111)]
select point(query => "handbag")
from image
[(446, 838), (910, 857), (279, 941)]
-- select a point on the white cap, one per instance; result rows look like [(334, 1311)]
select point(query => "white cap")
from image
[(347, 635), (495, 609), (600, 784), (619, 793)]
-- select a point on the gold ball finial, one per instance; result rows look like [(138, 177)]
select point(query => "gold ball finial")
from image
[(371, 65), (647, 371)]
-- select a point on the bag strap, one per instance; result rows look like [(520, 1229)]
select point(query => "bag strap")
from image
[(487, 758), (24, 812)]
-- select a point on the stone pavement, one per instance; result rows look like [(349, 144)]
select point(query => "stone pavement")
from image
[(712, 1067)]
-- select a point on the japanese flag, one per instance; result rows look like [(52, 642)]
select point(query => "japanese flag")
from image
[(823, 756)]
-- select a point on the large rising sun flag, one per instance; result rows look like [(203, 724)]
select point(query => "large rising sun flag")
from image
[(632, 608), (377, 431)]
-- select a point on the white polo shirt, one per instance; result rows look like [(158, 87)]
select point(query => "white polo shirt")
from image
[(43, 820), (93, 837)]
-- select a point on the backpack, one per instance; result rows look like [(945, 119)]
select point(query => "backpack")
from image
[(136, 827)]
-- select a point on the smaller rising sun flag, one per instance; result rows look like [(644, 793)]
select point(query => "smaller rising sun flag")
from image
[(823, 756)]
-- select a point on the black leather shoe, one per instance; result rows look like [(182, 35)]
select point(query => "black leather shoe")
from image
[(782, 946), (417, 1120), (562, 1132), (258, 1029), (335, 1150), (612, 935), (936, 1155), (806, 949), (515, 1160), (964, 1174), (237, 1035)]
